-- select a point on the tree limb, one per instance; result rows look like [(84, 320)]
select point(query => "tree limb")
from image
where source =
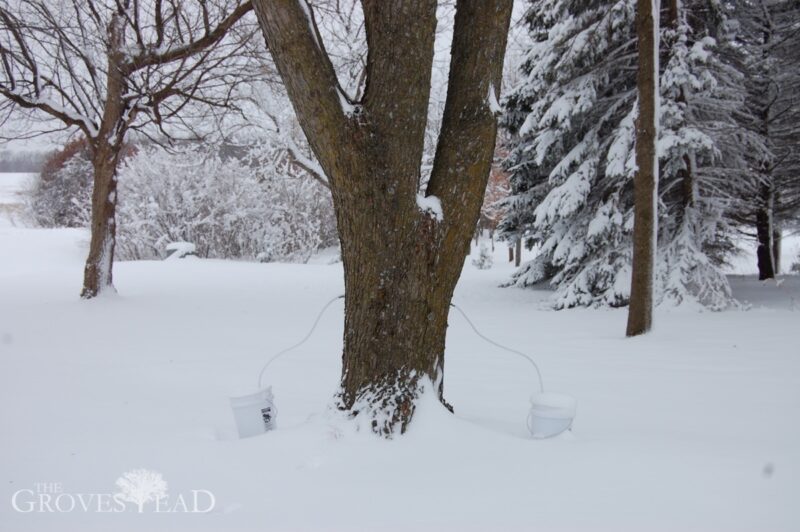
[(467, 138), (153, 56), (297, 49)]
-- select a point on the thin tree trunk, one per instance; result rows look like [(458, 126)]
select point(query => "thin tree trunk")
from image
[(518, 252), (510, 254), (765, 231), (640, 311), (105, 149), (765, 254), (776, 250), (687, 183), (97, 274)]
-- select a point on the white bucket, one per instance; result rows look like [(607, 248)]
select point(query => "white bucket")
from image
[(254, 413), (551, 414)]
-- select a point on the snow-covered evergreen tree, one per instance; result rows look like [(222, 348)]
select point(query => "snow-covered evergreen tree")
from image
[(701, 148), (573, 164), (769, 36), (573, 113)]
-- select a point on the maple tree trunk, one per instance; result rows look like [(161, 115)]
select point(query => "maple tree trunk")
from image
[(402, 255), (398, 287), (640, 311)]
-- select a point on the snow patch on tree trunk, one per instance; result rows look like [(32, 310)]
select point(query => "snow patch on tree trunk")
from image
[(491, 101), (431, 206)]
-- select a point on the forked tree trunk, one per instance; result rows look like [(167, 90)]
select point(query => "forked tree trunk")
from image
[(402, 255), (645, 181)]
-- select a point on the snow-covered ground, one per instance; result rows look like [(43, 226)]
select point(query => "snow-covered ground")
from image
[(692, 427), (13, 187)]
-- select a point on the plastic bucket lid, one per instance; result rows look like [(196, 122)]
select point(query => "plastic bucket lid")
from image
[(252, 398), (553, 405)]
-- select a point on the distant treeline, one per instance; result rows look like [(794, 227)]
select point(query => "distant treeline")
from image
[(22, 161)]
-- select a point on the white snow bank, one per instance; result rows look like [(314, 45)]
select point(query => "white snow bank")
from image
[(687, 428), (13, 187)]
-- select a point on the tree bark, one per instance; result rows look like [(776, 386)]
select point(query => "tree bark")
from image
[(401, 259), (765, 253), (640, 311), (105, 150), (776, 250), (397, 294), (765, 230), (97, 274), (518, 252)]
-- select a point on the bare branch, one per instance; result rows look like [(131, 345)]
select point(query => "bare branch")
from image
[(310, 166), (154, 56)]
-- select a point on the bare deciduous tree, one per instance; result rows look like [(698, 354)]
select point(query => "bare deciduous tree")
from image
[(106, 67), (403, 252)]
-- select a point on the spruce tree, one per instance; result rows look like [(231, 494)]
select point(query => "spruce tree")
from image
[(769, 36), (573, 162), (573, 115)]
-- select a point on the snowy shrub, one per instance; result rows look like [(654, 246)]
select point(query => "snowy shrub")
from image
[(484, 260), (62, 196), (225, 207)]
